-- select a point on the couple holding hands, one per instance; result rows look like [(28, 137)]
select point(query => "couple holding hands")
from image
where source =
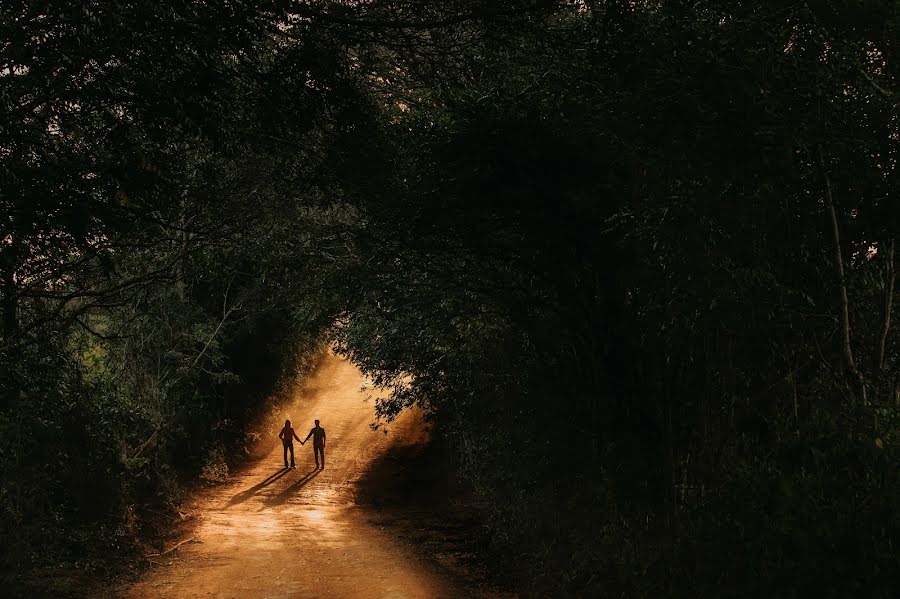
[(287, 436)]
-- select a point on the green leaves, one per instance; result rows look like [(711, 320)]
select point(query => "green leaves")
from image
[(587, 238)]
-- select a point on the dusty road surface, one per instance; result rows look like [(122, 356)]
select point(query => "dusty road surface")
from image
[(272, 533)]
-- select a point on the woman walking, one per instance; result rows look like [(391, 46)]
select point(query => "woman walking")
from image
[(287, 436)]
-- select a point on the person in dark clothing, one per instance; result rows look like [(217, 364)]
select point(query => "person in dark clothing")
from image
[(287, 436), (318, 435)]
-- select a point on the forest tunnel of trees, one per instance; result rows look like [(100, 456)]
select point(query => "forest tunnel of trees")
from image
[(636, 259)]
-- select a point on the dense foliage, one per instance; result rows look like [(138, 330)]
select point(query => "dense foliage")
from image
[(637, 259), (610, 271), (155, 240)]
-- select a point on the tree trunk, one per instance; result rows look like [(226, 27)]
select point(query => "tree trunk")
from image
[(890, 277), (8, 288), (856, 377), (10, 322), (181, 265)]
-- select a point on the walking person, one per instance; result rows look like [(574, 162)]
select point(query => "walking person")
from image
[(287, 436), (318, 435)]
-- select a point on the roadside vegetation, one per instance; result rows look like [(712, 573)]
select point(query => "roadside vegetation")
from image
[(636, 259)]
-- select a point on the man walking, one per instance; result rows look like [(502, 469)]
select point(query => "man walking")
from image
[(318, 435)]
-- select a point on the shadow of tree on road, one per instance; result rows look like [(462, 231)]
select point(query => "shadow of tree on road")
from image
[(413, 493)]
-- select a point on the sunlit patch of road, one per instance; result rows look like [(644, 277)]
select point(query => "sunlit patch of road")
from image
[(275, 533)]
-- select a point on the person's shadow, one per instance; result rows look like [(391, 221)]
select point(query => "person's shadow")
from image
[(245, 495), (287, 492)]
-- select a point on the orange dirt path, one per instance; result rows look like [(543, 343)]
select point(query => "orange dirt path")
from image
[(270, 533)]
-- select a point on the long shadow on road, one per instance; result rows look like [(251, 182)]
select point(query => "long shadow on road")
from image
[(288, 492), (245, 495)]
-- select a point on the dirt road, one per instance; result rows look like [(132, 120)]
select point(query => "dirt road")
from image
[(272, 533)]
